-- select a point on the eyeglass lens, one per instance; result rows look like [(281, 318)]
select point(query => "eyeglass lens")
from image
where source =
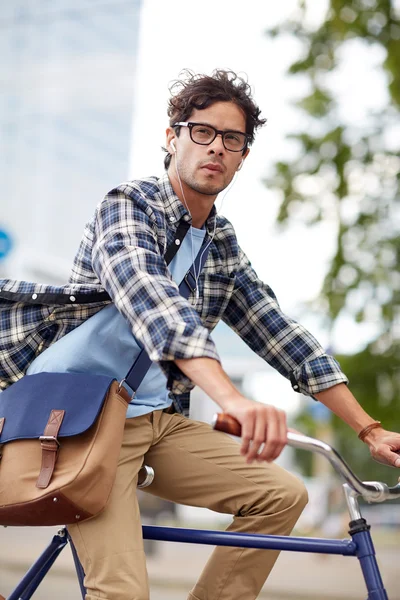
[(232, 140)]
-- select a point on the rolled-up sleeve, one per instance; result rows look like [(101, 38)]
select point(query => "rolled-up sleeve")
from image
[(128, 260), (254, 313)]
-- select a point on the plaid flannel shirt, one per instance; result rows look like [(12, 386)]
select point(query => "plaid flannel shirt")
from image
[(121, 259)]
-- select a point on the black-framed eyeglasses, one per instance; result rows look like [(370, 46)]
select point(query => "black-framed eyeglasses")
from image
[(203, 134)]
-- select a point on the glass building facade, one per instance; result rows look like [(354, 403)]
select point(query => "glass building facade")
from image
[(67, 74)]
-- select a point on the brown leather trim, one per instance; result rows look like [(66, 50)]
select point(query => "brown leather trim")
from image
[(43, 511), (123, 392), (49, 448), (2, 421)]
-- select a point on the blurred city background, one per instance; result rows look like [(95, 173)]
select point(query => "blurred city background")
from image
[(83, 97)]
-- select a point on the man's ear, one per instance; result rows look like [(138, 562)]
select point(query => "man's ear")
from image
[(243, 159), (170, 136)]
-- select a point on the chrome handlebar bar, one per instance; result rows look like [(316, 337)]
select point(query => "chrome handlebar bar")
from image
[(371, 491)]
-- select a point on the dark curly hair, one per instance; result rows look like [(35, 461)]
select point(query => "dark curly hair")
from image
[(196, 91)]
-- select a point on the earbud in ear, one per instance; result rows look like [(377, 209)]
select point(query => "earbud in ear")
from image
[(172, 144), (240, 165)]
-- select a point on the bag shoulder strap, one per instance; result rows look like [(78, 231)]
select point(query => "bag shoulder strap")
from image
[(173, 248), (142, 364)]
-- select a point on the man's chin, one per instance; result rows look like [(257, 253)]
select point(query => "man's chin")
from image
[(207, 189)]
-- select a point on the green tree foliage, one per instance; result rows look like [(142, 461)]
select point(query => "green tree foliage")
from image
[(350, 173)]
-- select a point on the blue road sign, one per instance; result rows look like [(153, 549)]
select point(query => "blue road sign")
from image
[(5, 243)]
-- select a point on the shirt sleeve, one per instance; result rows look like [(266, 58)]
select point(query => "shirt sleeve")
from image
[(130, 265), (254, 313)]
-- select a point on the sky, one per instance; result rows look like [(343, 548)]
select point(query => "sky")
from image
[(230, 34)]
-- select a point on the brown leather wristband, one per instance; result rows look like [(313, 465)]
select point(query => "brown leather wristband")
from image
[(364, 432)]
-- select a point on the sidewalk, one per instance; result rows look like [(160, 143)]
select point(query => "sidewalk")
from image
[(175, 567)]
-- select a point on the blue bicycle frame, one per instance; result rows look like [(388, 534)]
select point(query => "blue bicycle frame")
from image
[(360, 544)]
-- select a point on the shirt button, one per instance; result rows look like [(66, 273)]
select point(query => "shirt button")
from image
[(34, 296), (177, 242), (172, 219), (72, 298)]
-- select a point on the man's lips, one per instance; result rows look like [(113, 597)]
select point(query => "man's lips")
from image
[(213, 167)]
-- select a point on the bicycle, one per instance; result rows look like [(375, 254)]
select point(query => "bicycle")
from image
[(359, 544)]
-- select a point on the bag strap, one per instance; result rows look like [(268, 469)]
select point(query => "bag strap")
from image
[(142, 364), (173, 248)]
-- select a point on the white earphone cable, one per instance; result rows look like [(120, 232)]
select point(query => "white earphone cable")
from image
[(197, 275), (191, 232)]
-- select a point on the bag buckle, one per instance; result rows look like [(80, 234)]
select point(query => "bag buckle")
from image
[(49, 438), (191, 282), (120, 385)]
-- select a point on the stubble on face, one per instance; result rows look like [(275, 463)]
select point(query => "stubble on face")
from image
[(209, 187)]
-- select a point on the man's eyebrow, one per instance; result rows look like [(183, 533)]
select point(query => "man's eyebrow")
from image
[(213, 126)]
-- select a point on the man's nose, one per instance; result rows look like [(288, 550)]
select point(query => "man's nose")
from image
[(217, 146)]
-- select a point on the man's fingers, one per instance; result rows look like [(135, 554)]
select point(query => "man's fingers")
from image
[(278, 442), (276, 435), (385, 456), (283, 431), (247, 432), (272, 438), (395, 458), (263, 431), (258, 437)]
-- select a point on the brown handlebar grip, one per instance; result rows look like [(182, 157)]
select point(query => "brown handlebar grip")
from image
[(228, 424)]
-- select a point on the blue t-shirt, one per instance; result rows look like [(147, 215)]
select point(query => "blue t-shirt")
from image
[(105, 345)]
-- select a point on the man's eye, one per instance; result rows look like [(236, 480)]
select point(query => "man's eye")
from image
[(232, 136), (203, 131)]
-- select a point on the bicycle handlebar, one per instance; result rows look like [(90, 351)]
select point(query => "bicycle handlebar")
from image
[(372, 491)]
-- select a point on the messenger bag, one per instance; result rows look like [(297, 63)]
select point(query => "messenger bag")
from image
[(61, 434)]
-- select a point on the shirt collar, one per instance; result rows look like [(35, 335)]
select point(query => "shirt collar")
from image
[(174, 208)]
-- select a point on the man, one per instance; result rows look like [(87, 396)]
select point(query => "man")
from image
[(212, 124)]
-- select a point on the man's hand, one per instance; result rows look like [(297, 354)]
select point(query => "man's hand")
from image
[(262, 424), (384, 446)]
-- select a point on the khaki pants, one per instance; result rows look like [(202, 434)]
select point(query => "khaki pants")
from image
[(197, 466)]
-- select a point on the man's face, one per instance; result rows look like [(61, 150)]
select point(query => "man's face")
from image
[(208, 169)]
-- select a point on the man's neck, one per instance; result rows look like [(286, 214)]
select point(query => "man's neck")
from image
[(199, 205)]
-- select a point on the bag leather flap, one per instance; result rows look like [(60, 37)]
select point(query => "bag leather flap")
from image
[(26, 405)]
